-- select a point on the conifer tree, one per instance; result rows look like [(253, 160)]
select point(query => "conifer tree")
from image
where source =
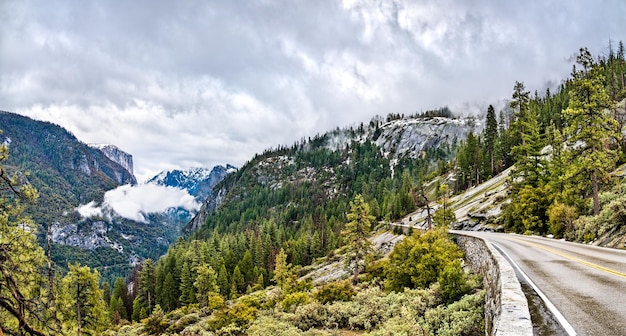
[(106, 293), (490, 135), (206, 282), (21, 258), (187, 295), (222, 280), (146, 293), (82, 306), (168, 296), (282, 270), (117, 309), (356, 232), (246, 266), (238, 281), (591, 131)]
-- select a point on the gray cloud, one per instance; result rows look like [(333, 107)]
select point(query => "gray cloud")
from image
[(202, 83)]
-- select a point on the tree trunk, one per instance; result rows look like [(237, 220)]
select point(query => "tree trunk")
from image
[(50, 275), (596, 202), (78, 318), (356, 267)]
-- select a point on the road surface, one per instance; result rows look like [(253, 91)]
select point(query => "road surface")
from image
[(587, 284)]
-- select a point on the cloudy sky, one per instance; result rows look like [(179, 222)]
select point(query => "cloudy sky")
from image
[(199, 83)]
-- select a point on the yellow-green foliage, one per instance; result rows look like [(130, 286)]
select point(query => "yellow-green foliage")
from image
[(335, 291), (418, 260), (561, 217), (393, 313), (156, 323), (239, 316), (269, 326), (294, 299)]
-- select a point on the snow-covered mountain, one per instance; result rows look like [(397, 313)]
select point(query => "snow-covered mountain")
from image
[(197, 181)]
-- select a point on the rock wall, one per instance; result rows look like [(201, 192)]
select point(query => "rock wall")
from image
[(506, 307), (116, 155)]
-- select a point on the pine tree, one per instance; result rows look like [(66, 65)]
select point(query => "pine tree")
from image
[(106, 293), (118, 310), (21, 259), (82, 306), (591, 131), (168, 296), (246, 266), (529, 164), (187, 295), (282, 270), (356, 232), (206, 282), (146, 292), (238, 281), (137, 310), (222, 280), (490, 135)]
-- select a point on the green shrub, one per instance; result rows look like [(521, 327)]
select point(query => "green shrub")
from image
[(339, 314), (417, 261), (294, 299), (196, 330), (399, 326), (335, 291), (156, 323), (269, 326), (183, 322), (239, 315), (561, 217), (462, 318), (312, 315), (452, 281)]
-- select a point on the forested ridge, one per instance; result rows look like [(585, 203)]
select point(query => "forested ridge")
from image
[(291, 207)]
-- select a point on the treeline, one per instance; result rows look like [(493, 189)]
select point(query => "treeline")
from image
[(562, 147)]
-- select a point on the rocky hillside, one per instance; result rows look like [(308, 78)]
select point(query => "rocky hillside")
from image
[(395, 139)]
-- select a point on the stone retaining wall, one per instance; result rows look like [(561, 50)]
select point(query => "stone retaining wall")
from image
[(506, 307)]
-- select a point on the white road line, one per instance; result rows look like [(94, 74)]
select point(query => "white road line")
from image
[(568, 327)]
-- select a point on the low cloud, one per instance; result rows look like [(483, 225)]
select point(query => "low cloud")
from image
[(89, 210), (134, 202)]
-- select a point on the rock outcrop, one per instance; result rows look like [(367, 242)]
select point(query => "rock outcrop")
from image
[(116, 155)]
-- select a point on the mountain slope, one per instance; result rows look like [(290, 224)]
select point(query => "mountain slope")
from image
[(65, 171), (329, 162), (79, 187)]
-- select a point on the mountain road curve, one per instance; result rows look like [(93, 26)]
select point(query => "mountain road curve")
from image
[(586, 284)]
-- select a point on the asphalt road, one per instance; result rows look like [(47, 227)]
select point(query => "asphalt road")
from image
[(587, 284)]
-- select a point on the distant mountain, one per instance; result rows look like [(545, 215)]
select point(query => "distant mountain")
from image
[(116, 155), (197, 181), (69, 174), (328, 161), (65, 171)]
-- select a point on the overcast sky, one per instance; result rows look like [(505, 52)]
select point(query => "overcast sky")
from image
[(199, 83)]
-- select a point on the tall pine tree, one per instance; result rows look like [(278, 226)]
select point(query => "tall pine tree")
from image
[(356, 232), (490, 136), (591, 131)]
